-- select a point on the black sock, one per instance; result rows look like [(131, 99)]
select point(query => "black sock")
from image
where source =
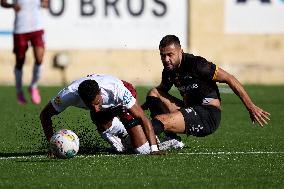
[(158, 126), (156, 106)]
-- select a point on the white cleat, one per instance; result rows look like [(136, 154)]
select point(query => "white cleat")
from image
[(170, 143)]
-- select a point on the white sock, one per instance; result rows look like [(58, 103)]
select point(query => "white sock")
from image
[(36, 75), (144, 149), (18, 78)]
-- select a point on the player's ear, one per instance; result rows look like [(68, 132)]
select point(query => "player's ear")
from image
[(180, 53), (96, 103)]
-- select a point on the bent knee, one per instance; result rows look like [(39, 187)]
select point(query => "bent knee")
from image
[(153, 92)]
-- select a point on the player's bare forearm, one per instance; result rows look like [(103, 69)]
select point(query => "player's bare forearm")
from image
[(47, 126), (46, 121), (239, 90), (235, 85), (138, 113), (149, 131), (256, 114)]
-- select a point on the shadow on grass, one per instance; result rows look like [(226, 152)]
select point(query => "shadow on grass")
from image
[(20, 154)]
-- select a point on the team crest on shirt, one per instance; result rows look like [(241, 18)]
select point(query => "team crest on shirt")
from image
[(57, 100)]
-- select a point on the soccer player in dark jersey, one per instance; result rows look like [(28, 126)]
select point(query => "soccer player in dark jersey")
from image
[(199, 113)]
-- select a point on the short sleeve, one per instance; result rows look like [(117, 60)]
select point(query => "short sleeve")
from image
[(64, 99), (204, 69)]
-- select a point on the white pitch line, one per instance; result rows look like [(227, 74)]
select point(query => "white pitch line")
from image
[(228, 153), (45, 156), (115, 155), (22, 157)]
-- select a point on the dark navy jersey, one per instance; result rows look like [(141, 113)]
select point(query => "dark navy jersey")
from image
[(194, 80)]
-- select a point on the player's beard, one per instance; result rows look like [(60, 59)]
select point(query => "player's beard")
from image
[(168, 65)]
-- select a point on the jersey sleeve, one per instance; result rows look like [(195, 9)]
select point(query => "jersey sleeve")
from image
[(64, 99), (205, 69)]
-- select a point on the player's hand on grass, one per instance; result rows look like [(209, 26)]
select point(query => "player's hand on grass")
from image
[(50, 154), (259, 115)]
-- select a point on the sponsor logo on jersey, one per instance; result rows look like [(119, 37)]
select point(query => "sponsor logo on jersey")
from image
[(188, 87), (187, 77), (188, 110), (127, 97)]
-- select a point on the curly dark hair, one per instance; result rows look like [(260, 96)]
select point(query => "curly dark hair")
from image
[(168, 40), (88, 90)]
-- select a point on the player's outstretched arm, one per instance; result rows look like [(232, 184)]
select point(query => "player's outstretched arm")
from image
[(46, 122), (256, 114)]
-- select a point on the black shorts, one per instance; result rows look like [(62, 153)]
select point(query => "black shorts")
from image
[(201, 121)]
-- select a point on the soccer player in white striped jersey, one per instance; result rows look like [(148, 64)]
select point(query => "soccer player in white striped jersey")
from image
[(113, 108)]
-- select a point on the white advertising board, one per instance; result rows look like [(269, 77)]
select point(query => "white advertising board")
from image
[(254, 16), (106, 24)]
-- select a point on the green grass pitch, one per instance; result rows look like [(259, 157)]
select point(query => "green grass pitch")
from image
[(238, 155)]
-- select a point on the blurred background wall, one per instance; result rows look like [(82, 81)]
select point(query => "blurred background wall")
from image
[(245, 38)]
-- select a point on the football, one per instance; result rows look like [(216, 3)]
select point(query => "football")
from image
[(64, 144)]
